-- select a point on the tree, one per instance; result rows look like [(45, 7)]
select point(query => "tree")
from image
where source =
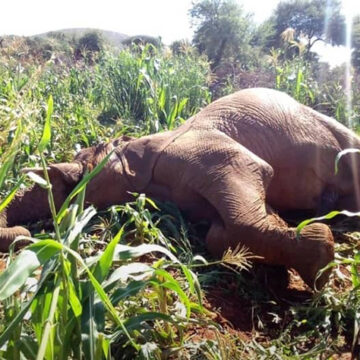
[(181, 47), (143, 40), (311, 20), (222, 30), (89, 45), (91, 42)]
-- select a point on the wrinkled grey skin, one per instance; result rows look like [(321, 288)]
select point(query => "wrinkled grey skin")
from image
[(235, 163)]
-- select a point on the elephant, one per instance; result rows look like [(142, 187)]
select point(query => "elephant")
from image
[(237, 163)]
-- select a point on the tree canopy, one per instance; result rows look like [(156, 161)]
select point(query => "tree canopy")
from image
[(222, 30), (312, 20), (91, 41)]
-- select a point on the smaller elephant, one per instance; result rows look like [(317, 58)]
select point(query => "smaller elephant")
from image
[(235, 163)]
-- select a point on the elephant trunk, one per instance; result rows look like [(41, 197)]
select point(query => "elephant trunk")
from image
[(32, 204), (277, 244), (8, 235), (313, 251), (307, 253), (27, 206)]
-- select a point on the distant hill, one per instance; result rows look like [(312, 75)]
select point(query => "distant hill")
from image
[(112, 37)]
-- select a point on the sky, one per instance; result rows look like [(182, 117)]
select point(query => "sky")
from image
[(166, 18)]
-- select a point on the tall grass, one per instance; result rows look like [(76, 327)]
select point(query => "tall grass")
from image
[(155, 90)]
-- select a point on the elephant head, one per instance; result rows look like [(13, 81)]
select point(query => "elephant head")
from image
[(32, 204), (129, 169)]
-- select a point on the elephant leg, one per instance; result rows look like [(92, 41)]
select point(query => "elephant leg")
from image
[(239, 196), (233, 181), (275, 243)]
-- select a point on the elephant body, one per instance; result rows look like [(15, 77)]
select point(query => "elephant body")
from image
[(235, 163)]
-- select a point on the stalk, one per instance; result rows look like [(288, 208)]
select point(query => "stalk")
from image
[(163, 306), (49, 322), (64, 310), (51, 199)]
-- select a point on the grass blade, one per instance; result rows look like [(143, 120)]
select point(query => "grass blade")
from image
[(11, 195), (46, 136), (104, 264)]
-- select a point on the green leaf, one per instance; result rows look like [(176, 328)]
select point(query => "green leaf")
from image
[(74, 300), (28, 347), (132, 289), (182, 105), (104, 264), (5, 168), (25, 308), (162, 99), (124, 252), (355, 277), (172, 284), (328, 216), (25, 264), (136, 322), (193, 283), (134, 271), (46, 136), (103, 296), (11, 195), (11, 153), (89, 331), (80, 222), (171, 119)]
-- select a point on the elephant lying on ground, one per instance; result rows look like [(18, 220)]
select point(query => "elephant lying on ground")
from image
[(235, 163)]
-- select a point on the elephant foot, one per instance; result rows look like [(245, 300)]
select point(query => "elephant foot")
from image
[(8, 235), (314, 251)]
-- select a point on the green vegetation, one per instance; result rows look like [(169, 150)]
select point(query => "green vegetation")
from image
[(134, 281), (316, 20)]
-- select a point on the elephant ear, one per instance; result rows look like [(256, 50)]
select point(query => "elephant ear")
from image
[(69, 173), (139, 157)]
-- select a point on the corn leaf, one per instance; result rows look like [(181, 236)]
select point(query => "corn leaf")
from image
[(328, 216), (11, 195), (104, 264), (125, 252), (24, 265), (172, 284), (341, 154), (46, 136), (25, 308)]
